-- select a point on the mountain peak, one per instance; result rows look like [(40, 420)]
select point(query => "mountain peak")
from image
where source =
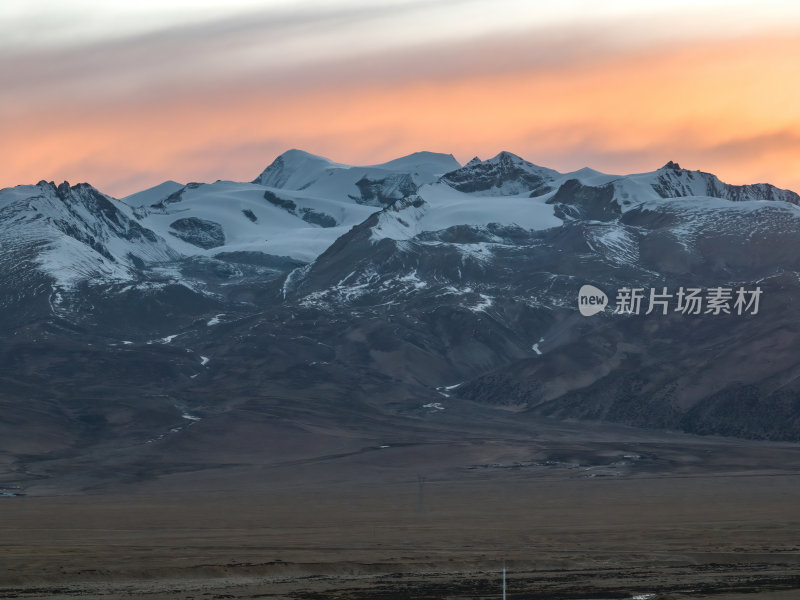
[(154, 194), (288, 166), (507, 157), (297, 154), (505, 173), (671, 166), (432, 163)]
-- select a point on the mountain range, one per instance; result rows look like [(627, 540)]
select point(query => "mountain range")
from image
[(388, 296)]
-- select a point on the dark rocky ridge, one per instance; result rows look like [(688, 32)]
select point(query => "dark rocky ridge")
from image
[(505, 171)]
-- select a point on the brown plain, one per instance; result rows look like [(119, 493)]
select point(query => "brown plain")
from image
[(573, 511)]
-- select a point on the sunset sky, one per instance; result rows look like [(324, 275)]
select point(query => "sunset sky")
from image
[(127, 94)]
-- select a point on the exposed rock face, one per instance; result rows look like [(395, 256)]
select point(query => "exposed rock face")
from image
[(199, 232), (382, 192), (573, 200), (505, 173)]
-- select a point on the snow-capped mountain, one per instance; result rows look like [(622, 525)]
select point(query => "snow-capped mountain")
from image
[(376, 185), (638, 226), (227, 217), (75, 234), (504, 175), (153, 195), (378, 288), (301, 204)]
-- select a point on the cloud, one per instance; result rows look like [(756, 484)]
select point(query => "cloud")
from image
[(762, 145), (218, 100), (290, 48)]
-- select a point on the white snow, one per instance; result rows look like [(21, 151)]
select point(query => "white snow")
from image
[(535, 348), (342, 292), (615, 241), (308, 172), (34, 216), (423, 166), (433, 405), (413, 280), (589, 176), (276, 231), (189, 417), (152, 195), (298, 170), (485, 303), (708, 203), (445, 207), (204, 360), (480, 252), (215, 320), (293, 279)]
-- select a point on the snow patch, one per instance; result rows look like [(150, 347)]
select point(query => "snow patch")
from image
[(480, 252), (444, 207), (485, 303), (293, 279), (413, 280), (341, 293), (615, 241)]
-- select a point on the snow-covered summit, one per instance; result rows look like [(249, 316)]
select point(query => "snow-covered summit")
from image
[(75, 233), (153, 195), (302, 204), (427, 165), (295, 170), (224, 217), (376, 185), (672, 181), (503, 175)]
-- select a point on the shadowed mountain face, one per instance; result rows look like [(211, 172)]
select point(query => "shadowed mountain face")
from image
[(380, 297)]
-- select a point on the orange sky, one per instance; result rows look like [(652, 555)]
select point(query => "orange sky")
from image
[(123, 119)]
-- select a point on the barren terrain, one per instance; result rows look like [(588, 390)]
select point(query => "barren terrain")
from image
[(573, 511)]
